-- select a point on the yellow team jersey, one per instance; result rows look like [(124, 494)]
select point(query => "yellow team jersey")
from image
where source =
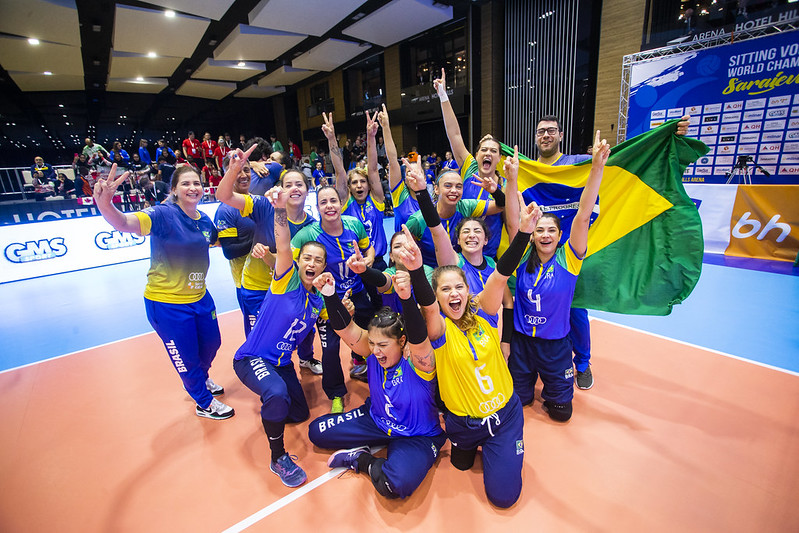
[(473, 376), (236, 268)]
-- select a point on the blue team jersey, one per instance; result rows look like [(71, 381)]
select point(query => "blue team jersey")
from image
[(287, 313), (477, 280), (403, 402), (390, 298), (404, 204), (544, 297), (472, 191), (256, 274), (417, 226), (178, 253), (370, 213), (449, 164), (339, 248), (561, 200), (232, 225)]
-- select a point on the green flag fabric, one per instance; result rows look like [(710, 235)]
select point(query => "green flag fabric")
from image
[(645, 248)]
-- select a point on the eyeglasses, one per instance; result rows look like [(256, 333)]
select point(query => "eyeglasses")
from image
[(550, 131)]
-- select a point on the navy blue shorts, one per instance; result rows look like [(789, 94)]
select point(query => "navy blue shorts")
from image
[(551, 359), (282, 397), (409, 458), (501, 436), (580, 335)]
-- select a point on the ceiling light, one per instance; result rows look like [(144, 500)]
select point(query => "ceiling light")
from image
[(151, 54), (33, 41), (169, 13), (60, 105), (48, 73), (139, 78), (241, 64)]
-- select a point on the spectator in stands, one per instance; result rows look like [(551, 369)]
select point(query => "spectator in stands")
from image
[(277, 146), (228, 143), (164, 149), (43, 174), (294, 152), (242, 141), (117, 149), (319, 175), (179, 159), (155, 192), (95, 153), (65, 186), (117, 158), (165, 169), (313, 156), (221, 151), (192, 150), (449, 163), (381, 152), (80, 165), (346, 155), (138, 167), (144, 153), (209, 147)]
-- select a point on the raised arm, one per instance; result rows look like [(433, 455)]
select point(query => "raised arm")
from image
[(394, 170), (225, 192), (491, 297), (579, 231), (104, 191), (422, 354), (459, 150), (445, 253), (369, 275), (375, 187), (511, 168), (335, 156), (283, 256), (340, 319), (412, 259)]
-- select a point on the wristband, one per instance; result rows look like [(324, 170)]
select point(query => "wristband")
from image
[(373, 277), (442, 93), (507, 324), (337, 314), (421, 287), (415, 327), (427, 208), (499, 197)]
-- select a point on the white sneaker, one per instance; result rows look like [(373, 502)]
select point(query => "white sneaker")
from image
[(314, 365), (216, 411), (213, 388)]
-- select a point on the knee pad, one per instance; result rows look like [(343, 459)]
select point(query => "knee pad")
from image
[(559, 412), (380, 480), (462, 459)]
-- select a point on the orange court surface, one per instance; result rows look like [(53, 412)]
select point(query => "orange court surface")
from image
[(671, 438)]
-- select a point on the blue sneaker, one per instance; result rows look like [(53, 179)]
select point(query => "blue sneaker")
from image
[(289, 473), (347, 458)]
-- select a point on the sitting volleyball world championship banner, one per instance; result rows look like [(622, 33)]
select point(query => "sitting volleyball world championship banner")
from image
[(743, 99)]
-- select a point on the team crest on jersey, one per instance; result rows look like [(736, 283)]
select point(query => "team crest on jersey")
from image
[(569, 373), (550, 272), (519, 447)]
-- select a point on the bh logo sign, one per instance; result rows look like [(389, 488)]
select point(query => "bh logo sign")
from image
[(35, 250), (111, 240)]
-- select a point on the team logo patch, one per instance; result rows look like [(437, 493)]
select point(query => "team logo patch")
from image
[(519, 447), (569, 373)]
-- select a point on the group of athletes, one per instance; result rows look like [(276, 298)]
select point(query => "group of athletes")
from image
[(423, 329)]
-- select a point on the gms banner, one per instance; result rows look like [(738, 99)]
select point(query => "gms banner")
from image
[(743, 99), (749, 220)]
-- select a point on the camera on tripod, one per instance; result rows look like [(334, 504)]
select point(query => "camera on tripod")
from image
[(741, 170), (743, 160)]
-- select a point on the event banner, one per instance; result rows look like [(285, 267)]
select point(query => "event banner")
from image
[(749, 220), (46, 248), (743, 99)]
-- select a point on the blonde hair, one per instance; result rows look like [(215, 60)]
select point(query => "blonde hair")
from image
[(357, 172), (468, 320)]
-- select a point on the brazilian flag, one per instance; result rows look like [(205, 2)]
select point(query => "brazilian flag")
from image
[(645, 249)]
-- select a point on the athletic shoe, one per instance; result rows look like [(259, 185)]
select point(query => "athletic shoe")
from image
[(347, 458), (216, 411), (585, 380), (314, 365), (213, 388), (338, 405), (359, 372), (287, 470)]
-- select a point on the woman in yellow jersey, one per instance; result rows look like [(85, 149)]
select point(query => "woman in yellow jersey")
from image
[(178, 306), (482, 409)]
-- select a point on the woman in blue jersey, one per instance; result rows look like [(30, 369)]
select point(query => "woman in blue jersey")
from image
[(383, 279), (263, 363), (257, 271), (481, 167), (340, 235), (545, 281), (400, 412), (476, 388), (235, 237), (178, 306), (403, 200)]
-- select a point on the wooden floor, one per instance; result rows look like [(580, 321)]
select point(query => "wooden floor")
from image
[(671, 438)]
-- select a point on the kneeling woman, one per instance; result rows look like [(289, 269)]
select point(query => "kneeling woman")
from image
[(400, 412), (263, 363), (482, 410)]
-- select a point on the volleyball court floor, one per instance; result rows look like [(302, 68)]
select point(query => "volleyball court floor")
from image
[(691, 425)]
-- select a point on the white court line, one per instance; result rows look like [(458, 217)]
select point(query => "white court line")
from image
[(91, 348), (711, 350)]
